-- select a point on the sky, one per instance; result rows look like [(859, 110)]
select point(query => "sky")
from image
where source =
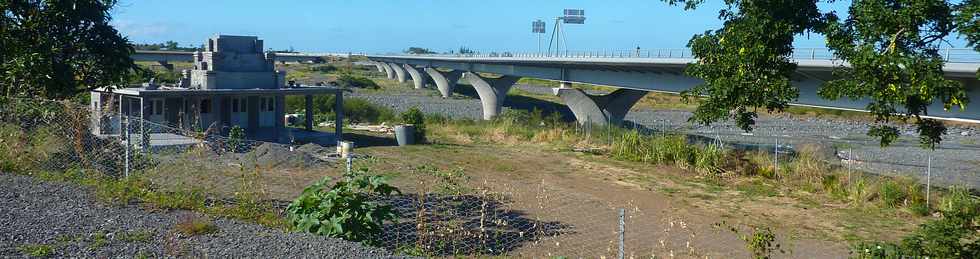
[(375, 26)]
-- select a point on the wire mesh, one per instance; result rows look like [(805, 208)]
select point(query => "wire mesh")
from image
[(530, 220)]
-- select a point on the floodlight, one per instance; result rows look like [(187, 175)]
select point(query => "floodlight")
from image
[(574, 16), (537, 26)]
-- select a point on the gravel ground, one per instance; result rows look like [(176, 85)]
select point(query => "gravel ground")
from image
[(65, 218), (956, 162)]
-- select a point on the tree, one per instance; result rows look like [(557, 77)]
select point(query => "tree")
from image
[(419, 51), (57, 49), (892, 47)]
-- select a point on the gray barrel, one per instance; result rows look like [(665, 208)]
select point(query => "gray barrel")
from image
[(405, 134)]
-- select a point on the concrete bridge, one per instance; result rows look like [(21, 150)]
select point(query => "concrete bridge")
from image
[(164, 57), (634, 74)]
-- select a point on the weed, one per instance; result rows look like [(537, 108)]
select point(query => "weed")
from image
[(36, 250), (345, 209), (891, 194), (136, 236), (191, 224), (762, 243), (448, 182), (99, 239)]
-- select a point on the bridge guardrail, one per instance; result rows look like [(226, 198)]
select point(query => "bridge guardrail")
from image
[(954, 55)]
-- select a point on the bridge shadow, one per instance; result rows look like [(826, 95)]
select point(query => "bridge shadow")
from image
[(462, 225), (368, 140)]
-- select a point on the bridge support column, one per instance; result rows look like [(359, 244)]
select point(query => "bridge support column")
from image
[(399, 72), (599, 109), (378, 65), (417, 78), (445, 81), (390, 73), (492, 92), (165, 64)]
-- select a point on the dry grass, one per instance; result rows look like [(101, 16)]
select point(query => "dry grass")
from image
[(191, 224)]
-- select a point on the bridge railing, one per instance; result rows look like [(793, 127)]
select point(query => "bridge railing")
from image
[(956, 55)]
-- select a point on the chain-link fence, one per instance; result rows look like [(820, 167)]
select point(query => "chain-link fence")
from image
[(529, 220)]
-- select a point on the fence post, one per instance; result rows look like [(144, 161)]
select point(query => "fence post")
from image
[(850, 153), (622, 233), (350, 161), (775, 161), (928, 179), (129, 141)]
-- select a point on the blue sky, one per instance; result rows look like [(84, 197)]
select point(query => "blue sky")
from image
[(377, 26)]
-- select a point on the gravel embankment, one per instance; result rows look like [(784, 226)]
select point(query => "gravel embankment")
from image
[(65, 218), (956, 162)]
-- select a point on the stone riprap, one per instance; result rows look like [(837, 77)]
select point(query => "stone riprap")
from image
[(65, 218)]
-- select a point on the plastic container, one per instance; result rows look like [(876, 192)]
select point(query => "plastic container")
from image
[(405, 134)]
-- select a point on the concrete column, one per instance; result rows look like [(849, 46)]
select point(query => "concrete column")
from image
[(280, 118), (445, 81), (388, 71), (309, 112), (600, 109), (338, 107), (492, 92), (378, 65), (399, 72), (417, 78)]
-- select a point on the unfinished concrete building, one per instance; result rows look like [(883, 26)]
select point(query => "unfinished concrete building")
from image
[(233, 83)]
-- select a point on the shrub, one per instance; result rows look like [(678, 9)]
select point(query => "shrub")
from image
[(954, 235), (323, 68), (415, 117), (345, 210), (349, 81), (360, 110)]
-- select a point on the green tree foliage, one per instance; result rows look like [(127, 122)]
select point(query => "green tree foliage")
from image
[(417, 50), (56, 49), (891, 46), (893, 49), (346, 209), (746, 63), (168, 45)]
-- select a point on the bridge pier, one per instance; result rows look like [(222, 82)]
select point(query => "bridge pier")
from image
[(492, 92), (399, 72), (167, 65), (378, 65), (390, 73), (599, 109), (445, 81), (418, 79)]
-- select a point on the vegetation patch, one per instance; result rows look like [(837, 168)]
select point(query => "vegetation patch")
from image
[(36, 250), (191, 224), (346, 209)]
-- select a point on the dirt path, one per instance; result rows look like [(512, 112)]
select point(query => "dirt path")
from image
[(568, 188)]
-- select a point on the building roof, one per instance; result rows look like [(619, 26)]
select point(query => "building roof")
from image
[(164, 91)]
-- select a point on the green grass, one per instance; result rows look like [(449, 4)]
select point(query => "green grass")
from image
[(36, 250), (141, 236)]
